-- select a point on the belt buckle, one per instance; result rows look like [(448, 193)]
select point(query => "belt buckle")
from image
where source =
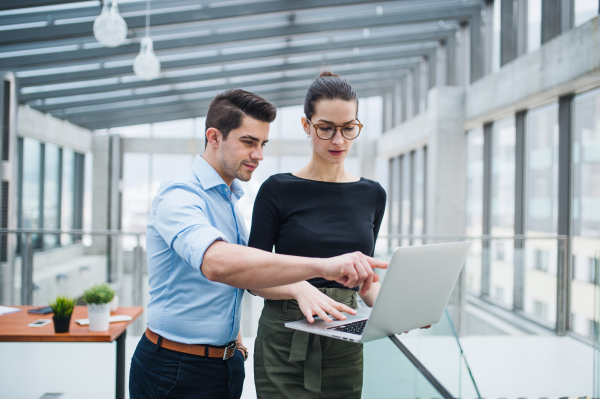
[(226, 350)]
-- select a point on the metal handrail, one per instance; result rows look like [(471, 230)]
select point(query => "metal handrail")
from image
[(71, 231), (27, 251), (466, 237)]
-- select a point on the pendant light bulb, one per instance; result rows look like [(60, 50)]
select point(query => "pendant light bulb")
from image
[(146, 65), (110, 28)]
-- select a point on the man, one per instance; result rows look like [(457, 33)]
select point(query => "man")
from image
[(199, 265)]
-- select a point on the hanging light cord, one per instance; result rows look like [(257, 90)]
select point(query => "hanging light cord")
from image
[(147, 18)]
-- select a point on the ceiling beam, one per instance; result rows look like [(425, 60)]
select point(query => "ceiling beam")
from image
[(129, 95), (176, 104), (16, 4), (169, 16), (203, 59), (439, 13), (199, 109), (222, 73), (368, 76)]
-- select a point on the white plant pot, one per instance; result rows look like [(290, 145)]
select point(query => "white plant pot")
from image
[(98, 315)]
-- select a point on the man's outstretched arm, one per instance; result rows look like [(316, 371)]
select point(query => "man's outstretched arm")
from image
[(251, 268)]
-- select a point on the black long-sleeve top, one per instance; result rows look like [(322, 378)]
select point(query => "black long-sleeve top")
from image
[(317, 219)]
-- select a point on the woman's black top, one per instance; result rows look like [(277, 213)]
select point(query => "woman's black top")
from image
[(317, 219)]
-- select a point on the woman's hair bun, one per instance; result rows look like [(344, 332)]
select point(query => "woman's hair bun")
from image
[(328, 73)]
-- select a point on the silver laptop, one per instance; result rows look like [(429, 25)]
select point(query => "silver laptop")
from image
[(416, 289)]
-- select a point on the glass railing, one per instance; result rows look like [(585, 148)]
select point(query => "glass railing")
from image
[(596, 269), (38, 264), (529, 276), (432, 363)]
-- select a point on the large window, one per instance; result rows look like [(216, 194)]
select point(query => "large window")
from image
[(474, 205), (405, 197), (418, 198), (584, 11), (52, 192), (534, 24), (30, 198), (503, 210), (586, 209), (541, 204)]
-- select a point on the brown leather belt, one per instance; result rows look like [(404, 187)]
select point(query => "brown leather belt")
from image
[(192, 349)]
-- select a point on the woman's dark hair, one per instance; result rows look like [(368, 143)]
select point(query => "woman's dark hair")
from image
[(227, 110), (328, 86)]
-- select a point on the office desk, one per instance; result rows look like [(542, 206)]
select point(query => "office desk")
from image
[(13, 328)]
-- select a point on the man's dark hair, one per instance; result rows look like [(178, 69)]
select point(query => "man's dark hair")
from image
[(227, 110)]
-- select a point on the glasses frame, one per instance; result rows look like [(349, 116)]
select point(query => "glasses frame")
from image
[(360, 126)]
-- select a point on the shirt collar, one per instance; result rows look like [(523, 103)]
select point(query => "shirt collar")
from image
[(209, 178)]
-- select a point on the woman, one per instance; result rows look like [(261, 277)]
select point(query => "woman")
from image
[(322, 210)]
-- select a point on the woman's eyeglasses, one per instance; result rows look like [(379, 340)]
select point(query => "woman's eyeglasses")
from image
[(326, 131)]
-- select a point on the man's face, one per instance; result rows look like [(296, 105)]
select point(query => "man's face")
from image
[(240, 154)]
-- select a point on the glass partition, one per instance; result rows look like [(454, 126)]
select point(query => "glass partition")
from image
[(388, 374), (474, 209), (586, 209), (503, 210), (52, 193), (541, 176), (596, 336), (30, 190)]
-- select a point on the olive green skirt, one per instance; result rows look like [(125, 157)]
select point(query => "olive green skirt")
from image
[(295, 364)]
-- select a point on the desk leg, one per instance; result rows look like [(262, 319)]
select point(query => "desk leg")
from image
[(120, 394)]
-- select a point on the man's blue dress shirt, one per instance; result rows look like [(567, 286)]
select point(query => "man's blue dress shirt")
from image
[(188, 214)]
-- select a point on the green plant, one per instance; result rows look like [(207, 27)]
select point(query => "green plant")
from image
[(98, 294), (62, 307)]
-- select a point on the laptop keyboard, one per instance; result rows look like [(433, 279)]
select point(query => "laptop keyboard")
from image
[(353, 328)]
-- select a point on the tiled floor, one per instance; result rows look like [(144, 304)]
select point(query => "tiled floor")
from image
[(504, 366)]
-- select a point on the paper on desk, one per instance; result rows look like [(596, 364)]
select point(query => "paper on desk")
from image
[(111, 319), (7, 310)]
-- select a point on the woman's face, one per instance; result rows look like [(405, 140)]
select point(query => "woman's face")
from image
[(331, 112)]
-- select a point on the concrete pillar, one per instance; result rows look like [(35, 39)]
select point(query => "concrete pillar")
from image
[(408, 95), (115, 270), (487, 39), (367, 155), (8, 189), (423, 85), (100, 184), (476, 45), (441, 65), (508, 34), (446, 161), (446, 178), (522, 27), (388, 110), (398, 117)]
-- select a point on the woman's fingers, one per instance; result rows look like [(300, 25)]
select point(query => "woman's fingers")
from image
[(309, 314), (376, 263), (321, 313), (336, 313), (343, 308)]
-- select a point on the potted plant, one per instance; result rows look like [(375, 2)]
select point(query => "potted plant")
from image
[(62, 309), (98, 300)]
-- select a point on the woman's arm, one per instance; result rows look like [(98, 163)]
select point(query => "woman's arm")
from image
[(371, 295)]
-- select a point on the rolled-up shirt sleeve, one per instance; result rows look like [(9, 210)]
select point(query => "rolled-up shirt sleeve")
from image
[(182, 222)]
